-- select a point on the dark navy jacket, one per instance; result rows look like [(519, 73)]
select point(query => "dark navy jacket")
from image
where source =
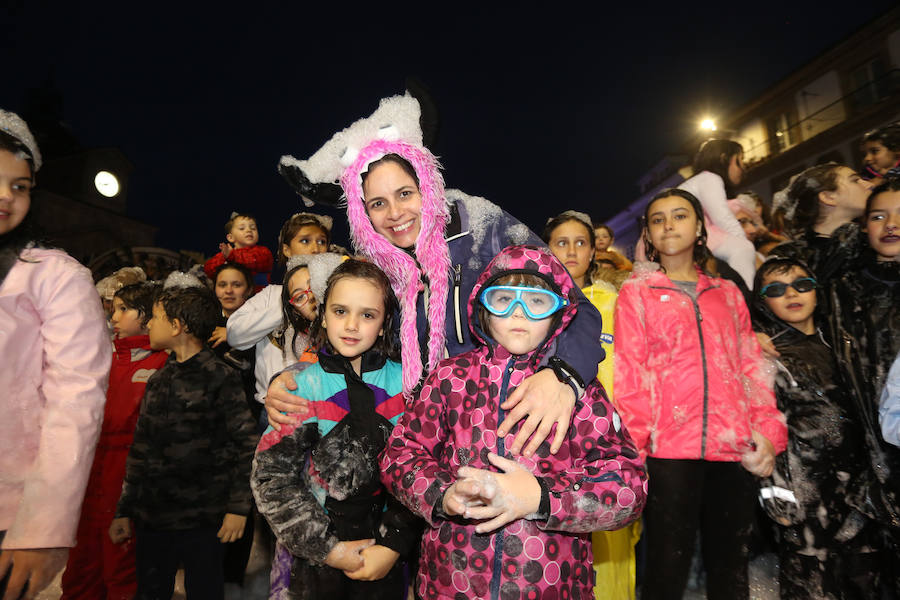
[(477, 232)]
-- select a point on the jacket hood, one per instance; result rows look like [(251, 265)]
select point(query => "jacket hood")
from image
[(765, 321), (531, 260)]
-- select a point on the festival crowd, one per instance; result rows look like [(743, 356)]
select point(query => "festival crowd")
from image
[(459, 407)]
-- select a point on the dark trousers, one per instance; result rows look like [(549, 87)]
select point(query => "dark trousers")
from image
[(159, 554), (684, 495), (311, 582), (237, 554)]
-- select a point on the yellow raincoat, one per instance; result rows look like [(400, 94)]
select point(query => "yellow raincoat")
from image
[(614, 560)]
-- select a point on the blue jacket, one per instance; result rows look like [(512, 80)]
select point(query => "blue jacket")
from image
[(889, 411)]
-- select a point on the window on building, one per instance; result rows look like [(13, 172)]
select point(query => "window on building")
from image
[(783, 131), (871, 82)]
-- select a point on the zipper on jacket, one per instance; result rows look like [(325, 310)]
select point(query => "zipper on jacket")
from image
[(699, 318), (497, 570), (457, 279)]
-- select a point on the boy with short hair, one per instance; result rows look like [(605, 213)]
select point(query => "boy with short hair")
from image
[(241, 247), (187, 477)]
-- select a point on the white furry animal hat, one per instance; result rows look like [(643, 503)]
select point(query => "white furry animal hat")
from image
[(320, 266), (14, 125), (394, 128), (396, 119), (109, 285)]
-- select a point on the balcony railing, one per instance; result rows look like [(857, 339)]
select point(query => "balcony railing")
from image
[(856, 102)]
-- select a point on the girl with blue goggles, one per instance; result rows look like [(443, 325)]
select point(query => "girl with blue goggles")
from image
[(536, 303)]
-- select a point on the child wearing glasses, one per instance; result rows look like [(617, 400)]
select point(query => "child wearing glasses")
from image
[(827, 548), (501, 525)]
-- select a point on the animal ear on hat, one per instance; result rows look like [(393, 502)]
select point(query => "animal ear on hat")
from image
[(430, 118), (328, 194), (396, 119)]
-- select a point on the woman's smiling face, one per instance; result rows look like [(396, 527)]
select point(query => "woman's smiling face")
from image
[(394, 203)]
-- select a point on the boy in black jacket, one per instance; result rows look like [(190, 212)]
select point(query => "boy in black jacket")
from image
[(828, 544), (187, 479)]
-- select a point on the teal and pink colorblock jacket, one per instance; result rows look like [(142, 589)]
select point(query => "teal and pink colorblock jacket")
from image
[(317, 482), (595, 481)]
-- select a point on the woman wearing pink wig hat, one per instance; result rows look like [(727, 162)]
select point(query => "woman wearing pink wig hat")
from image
[(433, 243)]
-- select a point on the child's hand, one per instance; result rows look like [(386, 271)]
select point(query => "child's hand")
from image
[(766, 345), (378, 562), (760, 462), (120, 530), (459, 496), (347, 556), (219, 335), (507, 496), (280, 401), (225, 248), (30, 571), (232, 528), (544, 400)]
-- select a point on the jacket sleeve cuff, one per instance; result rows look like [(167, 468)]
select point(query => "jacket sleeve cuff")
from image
[(776, 433), (543, 511), (437, 511)]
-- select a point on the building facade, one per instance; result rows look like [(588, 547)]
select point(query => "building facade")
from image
[(817, 114)]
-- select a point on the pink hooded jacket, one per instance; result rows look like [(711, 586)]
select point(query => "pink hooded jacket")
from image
[(690, 380), (56, 358), (595, 481)]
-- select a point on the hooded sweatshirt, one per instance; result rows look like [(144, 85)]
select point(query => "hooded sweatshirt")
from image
[(595, 481)]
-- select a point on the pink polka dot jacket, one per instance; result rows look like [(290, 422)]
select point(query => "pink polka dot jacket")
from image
[(596, 480)]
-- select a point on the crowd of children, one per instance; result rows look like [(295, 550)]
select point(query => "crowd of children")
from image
[(461, 409)]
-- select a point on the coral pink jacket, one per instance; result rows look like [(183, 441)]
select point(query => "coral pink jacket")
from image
[(56, 357), (690, 379)]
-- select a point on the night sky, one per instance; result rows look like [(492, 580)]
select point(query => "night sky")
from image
[(544, 106)]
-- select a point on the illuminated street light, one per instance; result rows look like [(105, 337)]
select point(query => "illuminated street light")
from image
[(707, 125)]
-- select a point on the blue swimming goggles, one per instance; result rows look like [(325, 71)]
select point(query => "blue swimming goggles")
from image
[(501, 300)]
